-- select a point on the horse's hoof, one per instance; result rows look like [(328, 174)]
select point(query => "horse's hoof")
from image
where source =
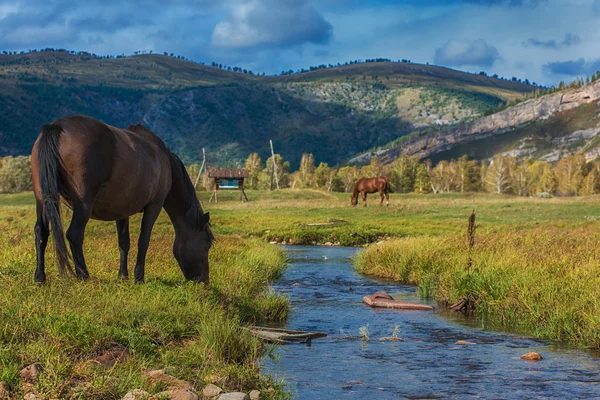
[(139, 280), (40, 282)]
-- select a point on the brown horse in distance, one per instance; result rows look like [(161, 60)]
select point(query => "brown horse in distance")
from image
[(109, 174), (371, 185)]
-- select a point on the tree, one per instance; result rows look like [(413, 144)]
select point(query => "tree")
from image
[(542, 178), (283, 173), (254, 170), (307, 170), (15, 174), (404, 173), (521, 179), (591, 183), (570, 172), (375, 168), (467, 173), (422, 182), (498, 174), (323, 177), (348, 176)]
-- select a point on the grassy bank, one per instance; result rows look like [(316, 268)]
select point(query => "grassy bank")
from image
[(192, 331), (540, 281)]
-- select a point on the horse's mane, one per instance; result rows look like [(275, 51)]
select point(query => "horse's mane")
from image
[(192, 206)]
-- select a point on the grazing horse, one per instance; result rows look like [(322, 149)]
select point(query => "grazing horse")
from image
[(109, 174), (371, 185)]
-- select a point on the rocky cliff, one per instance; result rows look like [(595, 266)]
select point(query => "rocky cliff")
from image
[(554, 115)]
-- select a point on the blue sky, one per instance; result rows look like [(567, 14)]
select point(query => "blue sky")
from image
[(543, 40)]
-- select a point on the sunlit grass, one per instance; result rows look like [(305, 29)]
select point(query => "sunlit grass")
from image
[(541, 281), (189, 329)]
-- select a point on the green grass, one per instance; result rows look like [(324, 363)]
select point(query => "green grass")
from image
[(535, 270), (539, 281), (192, 331), (283, 215)]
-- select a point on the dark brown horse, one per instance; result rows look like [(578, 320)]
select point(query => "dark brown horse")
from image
[(371, 185), (109, 174)]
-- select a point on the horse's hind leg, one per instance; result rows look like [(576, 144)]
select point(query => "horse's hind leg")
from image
[(82, 211), (41, 241), (387, 198), (124, 244), (381, 195), (151, 212)]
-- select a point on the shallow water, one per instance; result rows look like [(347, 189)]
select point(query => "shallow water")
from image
[(427, 364)]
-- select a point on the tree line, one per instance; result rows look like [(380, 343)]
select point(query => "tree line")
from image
[(570, 176)]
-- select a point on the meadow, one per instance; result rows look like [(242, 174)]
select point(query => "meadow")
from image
[(190, 330), (535, 264)]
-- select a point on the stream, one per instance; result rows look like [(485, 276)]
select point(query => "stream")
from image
[(326, 295)]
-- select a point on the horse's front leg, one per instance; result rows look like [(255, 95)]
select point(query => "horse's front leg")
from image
[(151, 213), (124, 244), (364, 197), (41, 241), (387, 198)]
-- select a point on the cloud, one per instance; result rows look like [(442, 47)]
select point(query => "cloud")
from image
[(272, 23), (458, 53), (580, 67), (569, 40)]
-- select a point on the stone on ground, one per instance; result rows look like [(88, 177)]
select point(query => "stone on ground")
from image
[(234, 396), (256, 395), (211, 390), (30, 373), (137, 394)]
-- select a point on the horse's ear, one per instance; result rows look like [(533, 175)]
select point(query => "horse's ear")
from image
[(205, 219)]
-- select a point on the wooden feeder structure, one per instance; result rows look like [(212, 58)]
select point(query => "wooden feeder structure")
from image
[(228, 179)]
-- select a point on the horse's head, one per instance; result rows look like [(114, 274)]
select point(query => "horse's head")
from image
[(354, 200), (191, 247)]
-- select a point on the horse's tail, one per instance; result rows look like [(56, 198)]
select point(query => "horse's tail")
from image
[(388, 187), (51, 185)]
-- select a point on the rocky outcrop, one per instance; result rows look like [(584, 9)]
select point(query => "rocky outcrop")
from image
[(496, 124)]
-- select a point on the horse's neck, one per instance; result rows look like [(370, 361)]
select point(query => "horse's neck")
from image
[(181, 203)]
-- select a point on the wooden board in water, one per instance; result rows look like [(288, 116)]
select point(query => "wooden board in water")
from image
[(283, 336)]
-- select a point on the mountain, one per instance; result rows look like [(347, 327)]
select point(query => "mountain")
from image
[(334, 113), (545, 128)]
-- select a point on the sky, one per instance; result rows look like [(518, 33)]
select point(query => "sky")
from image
[(545, 41)]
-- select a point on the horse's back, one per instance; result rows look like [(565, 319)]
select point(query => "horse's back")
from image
[(120, 170)]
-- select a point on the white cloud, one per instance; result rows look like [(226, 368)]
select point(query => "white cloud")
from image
[(458, 53), (272, 23)]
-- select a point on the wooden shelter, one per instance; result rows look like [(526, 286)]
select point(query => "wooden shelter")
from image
[(228, 179)]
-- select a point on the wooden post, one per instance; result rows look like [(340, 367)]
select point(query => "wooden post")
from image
[(274, 167), (202, 166)]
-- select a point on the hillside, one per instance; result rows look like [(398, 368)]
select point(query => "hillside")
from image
[(333, 113), (545, 128)]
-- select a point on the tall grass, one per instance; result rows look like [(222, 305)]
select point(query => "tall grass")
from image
[(542, 282), (189, 329)]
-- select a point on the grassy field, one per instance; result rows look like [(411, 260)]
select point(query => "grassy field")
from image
[(535, 261), (535, 269), (192, 331)]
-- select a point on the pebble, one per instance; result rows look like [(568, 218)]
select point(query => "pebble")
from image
[(183, 394), (30, 373), (463, 342), (211, 390), (136, 394), (256, 395), (234, 396)]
